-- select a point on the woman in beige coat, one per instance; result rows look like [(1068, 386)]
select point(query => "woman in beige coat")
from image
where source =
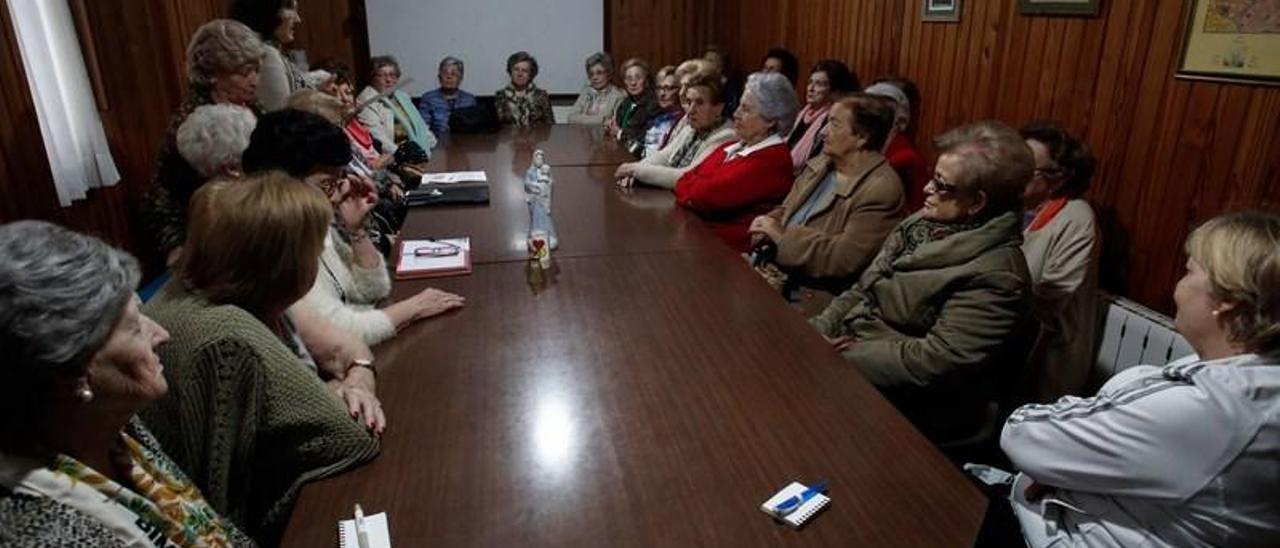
[(1061, 245), (843, 204)]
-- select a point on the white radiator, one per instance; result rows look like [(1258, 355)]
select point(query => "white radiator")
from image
[(1133, 334)]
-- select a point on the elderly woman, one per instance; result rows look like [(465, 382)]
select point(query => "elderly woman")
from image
[(1061, 245), (274, 21), (599, 98), (829, 80), (522, 103), (752, 175), (1176, 455), (390, 114), (669, 110), (842, 206), (939, 320), (435, 105), (213, 137), (630, 119), (704, 131), (362, 142), (76, 467), (248, 417), (222, 68), (900, 150)]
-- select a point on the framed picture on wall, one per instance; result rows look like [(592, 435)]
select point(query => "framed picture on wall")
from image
[(941, 11), (1058, 7), (1233, 41)]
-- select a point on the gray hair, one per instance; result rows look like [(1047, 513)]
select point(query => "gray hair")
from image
[(221, 46), (61, 294), (600, 58), (993, 158), (902, 108), (213, 137), (451, 61), (776, 98), (376, 64)]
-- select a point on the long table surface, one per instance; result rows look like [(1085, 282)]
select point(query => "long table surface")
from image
[(648, 390)]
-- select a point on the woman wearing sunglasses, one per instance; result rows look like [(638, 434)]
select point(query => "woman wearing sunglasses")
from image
[(942, 310)]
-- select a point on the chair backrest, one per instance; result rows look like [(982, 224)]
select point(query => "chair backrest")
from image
[(1133, 334)]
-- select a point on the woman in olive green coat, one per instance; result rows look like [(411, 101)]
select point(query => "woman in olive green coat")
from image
[(940, 320)]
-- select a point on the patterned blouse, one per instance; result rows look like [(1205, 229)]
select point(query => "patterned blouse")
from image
[(530, 107)]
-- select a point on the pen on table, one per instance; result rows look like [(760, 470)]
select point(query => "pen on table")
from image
[(790, 505), (362, 533)]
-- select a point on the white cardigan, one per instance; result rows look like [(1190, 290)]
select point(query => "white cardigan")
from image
[(345, 293), (655, 169)]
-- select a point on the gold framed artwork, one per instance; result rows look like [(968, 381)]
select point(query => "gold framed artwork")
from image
[(1232, 41), (941, 11), (1058, 7)]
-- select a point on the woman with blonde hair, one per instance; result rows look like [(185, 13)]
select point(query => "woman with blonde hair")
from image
[(1182, 454), (247, 414), (223, 58)]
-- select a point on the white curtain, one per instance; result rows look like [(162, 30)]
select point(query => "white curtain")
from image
[(73, 138)]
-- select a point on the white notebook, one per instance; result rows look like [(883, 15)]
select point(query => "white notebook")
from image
[(450, 177), (376, 527), (803, 513)]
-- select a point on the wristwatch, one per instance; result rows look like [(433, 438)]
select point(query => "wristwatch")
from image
[(365, 363)]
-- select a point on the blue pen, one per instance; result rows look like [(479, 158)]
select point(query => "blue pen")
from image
[(790, 505)]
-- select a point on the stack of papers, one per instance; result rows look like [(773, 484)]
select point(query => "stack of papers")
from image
[(451, 177), (411, 264)]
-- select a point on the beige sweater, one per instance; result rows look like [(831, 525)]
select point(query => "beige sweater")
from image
[(1063, 260), (656, 169)]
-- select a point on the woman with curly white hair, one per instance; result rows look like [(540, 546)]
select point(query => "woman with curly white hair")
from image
[(749, 176), (213, 137)]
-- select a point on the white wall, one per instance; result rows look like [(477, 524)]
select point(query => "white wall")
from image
[(483, 33)]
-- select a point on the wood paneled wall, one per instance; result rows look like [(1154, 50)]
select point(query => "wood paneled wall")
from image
[(1172, 152), (865, 35), (662, 32), (137, 48)]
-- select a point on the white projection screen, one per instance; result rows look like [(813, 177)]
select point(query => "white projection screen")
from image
[(560, 34)]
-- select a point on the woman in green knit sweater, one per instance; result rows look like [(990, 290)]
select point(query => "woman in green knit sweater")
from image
[(247, 416)]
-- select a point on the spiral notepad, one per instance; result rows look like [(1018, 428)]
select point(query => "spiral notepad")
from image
[(375, 525), (800, 515)]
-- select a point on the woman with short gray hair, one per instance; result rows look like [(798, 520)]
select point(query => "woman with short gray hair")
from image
[(222, 68), (76, 468), (599, 98), (436, 105), (213, 137), (750, 176), (389, 112)]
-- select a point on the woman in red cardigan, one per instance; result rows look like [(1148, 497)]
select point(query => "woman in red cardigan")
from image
[(746, 178)]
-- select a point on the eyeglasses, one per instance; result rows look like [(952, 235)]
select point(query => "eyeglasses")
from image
[(1047, 172), (438, 249), (668, 88), (942, 187)]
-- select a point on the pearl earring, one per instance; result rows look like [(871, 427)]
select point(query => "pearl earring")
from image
[(1215, 313), (84, 394)]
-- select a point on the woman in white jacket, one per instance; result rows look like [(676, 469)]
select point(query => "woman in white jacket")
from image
[(353, 276), (1179, 455)]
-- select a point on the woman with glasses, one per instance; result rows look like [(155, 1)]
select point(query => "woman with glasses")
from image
[(668, 112), (1060, 240), (701, 131), (939, 320)]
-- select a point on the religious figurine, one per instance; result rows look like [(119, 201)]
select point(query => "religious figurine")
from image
[(531, 175), (539, 201)]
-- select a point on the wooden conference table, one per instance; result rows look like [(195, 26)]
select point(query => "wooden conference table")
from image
[(648, 390)]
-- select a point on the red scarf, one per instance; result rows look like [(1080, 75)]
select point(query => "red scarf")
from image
[(359, 134), (1047, 213)]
